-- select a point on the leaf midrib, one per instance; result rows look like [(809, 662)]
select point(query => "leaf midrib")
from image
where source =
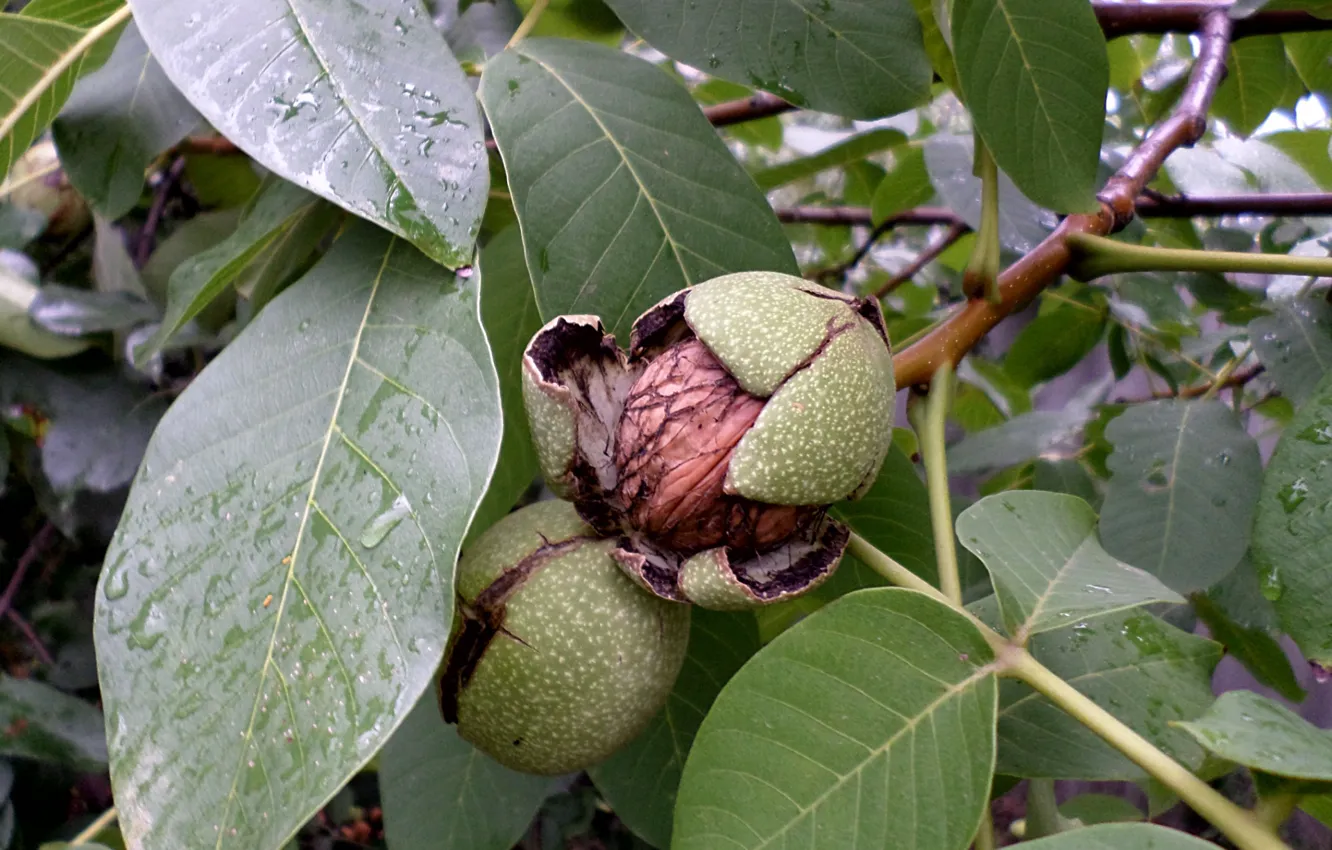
[(294, 558)]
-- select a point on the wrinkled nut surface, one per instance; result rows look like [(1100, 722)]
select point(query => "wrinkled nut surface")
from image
[(557, 659), (746, 405)]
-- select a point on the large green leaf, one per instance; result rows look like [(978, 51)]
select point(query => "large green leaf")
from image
[(1048, 568), (1121, 836), (1135, 666), (1258, 77), (361, 103), (1291, 546), (441, 793), (641, 781), (1257, 732), (950, 159), (625, 194), (1020, 439), (509, 314), (852, 150), (905, 186), (41, 723), (1308, 52), (857, 727), (895, 517), (1294, 344), (116, 121), (1034, 75), (1185, 479), (861, 60), (43, 52), (1253, 647), (275, 215), (1069, 325), (279, 590)]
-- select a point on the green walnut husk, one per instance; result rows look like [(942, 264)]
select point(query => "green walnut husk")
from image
[(557, 659), (745, 406)]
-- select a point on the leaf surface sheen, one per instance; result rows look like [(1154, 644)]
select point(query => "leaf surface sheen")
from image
[(279, 590)]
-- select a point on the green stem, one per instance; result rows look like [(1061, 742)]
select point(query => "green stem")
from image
[(1226, 371), (985, 839), (1239, 826), (1042, 809), (982, 272), (929, 418), (528, 23), (94, 829), (1274, 809), (1101, 256)]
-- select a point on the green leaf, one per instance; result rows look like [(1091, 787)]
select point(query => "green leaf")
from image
[(1309, 149), (1056, 340), (1308, 52), (894, 516), (1255, 648), (586, 20), (1092, 809), (852, 150), (116, 121), (1184, 481), (627, 194), (1047, 566), (1294, 344), (936, 47), (1121, 836), (274, 215), (1291, 547), (905, 186), (17, 330), (1034, 75), (362, 104), (1258, 76), (1066, 476), (74, 311), (43, 51), (861, 60), (641, 781), (41, 723), (441, 793), (1260, 733), (884, 695), (949, 159), (1319, 806), (765, 132), (1135, 666), (509, 314), (1018, 440), (245, 621)]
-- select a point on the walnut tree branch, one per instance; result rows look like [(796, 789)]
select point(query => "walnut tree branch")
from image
[(955, 232), (1019, 283), (1119, 18)]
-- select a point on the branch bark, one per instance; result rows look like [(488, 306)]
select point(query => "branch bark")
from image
[(758, 105), (1019, 283), (1118, 18)]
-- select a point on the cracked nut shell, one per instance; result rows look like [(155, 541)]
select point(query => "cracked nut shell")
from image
[(557, 659)]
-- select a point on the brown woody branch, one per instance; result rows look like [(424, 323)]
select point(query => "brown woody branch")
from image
[(1118, 19), (861, 216), (1021, 282), (955, 232), (758, 105)]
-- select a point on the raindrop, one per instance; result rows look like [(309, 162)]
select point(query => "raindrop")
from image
[(117, 585), (1269, 582), (379, 526), (1319, 433), (1293, 494)]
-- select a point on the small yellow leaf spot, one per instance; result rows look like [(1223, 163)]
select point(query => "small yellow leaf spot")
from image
[(286, 560), (268, 600)]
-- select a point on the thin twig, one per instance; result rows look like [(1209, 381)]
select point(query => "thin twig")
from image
[(95, 828), (529, 22), (955, 232), (37, 546), (148, 236), (862, 216), (758, 105), (30, 634), (1022, 281)]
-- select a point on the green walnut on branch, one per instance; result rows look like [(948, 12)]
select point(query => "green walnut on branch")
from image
[(709, 453), (557, 659)]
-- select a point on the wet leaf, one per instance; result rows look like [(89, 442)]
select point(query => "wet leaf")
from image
[(861, 60), (1255, 648), (949, 159), (1184, 483), (116, 121), (43, 51), (1294, 344), (1066, 330), (68, 311), (1092, 809), (362, 104), (441, 793), (905, 186), (894, 516), (627, 194), (849, 713), (1135, 666), (241, 624), (1018, 440), (1291, 547), (17, 330), (1034, 75), (39, 722), (1260, 733), (641, 781), (1048, 568)]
